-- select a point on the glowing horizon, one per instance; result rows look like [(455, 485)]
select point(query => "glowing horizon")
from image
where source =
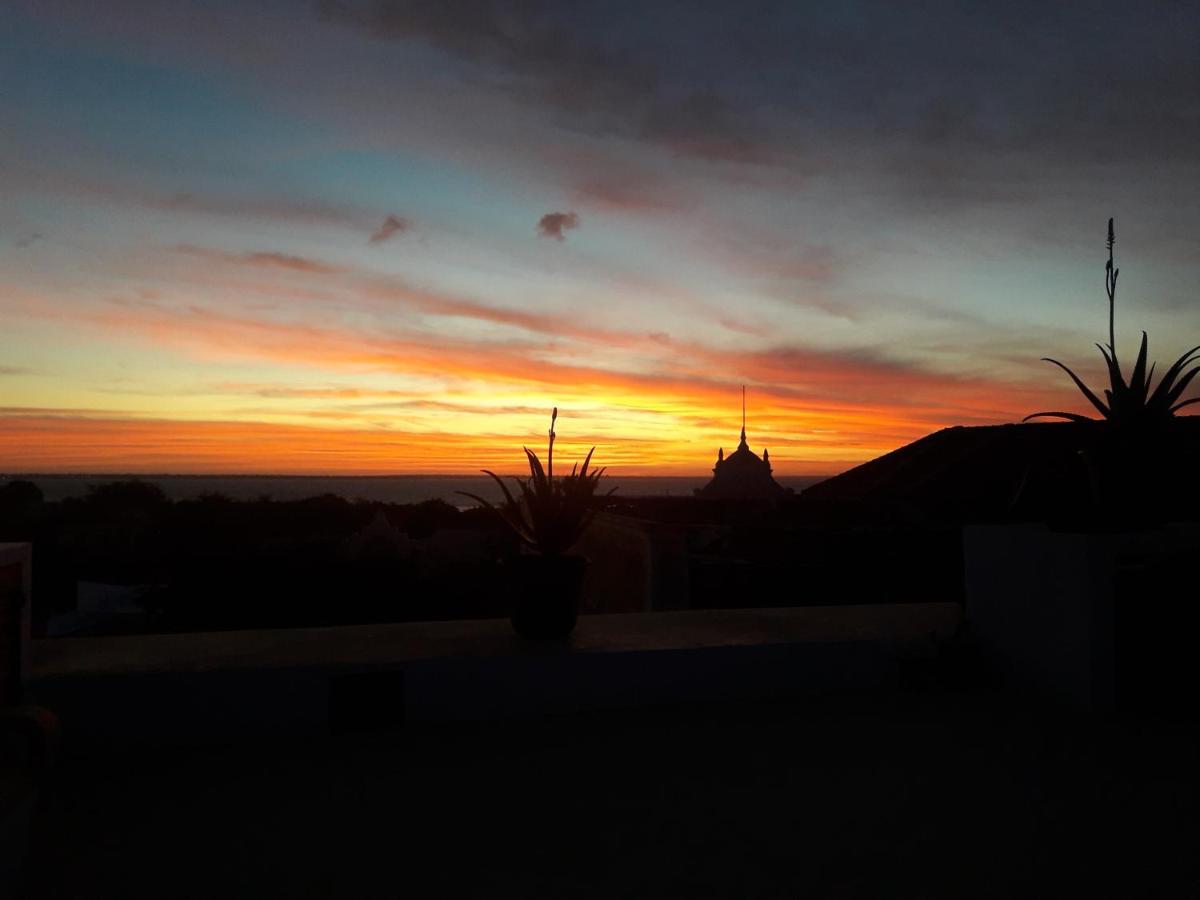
[(356, 239)]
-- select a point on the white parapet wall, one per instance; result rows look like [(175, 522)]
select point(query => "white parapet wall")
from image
[(1043, 604), (217, 687), (1040, 605)]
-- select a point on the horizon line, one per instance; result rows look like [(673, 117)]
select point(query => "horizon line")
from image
[(15, 475)]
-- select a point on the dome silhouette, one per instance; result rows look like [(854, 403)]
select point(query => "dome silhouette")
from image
[(743, 475)]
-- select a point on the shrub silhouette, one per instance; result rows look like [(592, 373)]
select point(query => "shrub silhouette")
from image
[(20, 495)]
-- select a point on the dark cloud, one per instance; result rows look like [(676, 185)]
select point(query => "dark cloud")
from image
[(554, 224), (791, 84), (14, 370), (600, 72), (29, 239), (392, 226)]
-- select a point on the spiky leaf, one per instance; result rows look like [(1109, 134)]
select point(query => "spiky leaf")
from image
[(1087, 392), (1071, 417)]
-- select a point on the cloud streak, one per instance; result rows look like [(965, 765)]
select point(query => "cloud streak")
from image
[(825, 385), (262, 259)]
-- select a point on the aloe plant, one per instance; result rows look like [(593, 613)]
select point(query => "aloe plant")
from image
[(1131, 403), (550, 515)]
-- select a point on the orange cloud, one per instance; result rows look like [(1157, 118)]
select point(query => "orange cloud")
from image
[(651, 402)]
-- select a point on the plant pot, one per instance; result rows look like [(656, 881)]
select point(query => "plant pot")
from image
[(1138, 476), (544, 594)]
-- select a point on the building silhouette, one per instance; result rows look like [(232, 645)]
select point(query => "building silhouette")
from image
[(743, 475)]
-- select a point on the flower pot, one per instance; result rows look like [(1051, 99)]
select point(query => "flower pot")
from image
[(1140, 476), (544, 594)]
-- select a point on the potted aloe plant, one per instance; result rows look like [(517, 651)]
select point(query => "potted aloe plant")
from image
[(548, 516), (1132, 460), (1053, 606)]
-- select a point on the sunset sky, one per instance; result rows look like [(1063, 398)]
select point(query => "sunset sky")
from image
[(387, 237)]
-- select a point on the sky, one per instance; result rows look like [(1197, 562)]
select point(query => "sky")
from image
[(386, 237)]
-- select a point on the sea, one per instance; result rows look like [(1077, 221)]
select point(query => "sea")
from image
[(381, 488)]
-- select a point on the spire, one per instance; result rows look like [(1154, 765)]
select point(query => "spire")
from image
[(743, 416)]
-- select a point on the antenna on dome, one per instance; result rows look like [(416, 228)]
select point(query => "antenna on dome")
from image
[(743, 414)]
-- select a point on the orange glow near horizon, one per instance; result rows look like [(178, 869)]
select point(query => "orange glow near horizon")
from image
[(89, 445), (246, 392), (679, 435)]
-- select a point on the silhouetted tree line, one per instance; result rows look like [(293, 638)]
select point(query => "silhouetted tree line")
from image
[(216, 563)]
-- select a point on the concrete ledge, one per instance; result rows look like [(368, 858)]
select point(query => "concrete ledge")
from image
[(217, 686)]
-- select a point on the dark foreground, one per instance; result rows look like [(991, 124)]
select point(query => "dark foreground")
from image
[(917, 794)]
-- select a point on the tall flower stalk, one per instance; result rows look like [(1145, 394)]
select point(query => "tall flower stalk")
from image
[(1130, 403), (1110, 287)]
